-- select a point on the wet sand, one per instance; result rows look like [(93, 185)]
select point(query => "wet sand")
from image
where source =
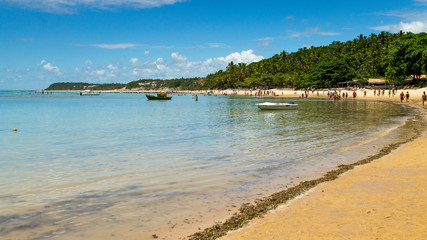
[(385, 199)]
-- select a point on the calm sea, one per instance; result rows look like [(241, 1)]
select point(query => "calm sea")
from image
[(117, 166)]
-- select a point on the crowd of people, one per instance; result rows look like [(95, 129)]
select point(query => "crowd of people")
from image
[(336, 94)]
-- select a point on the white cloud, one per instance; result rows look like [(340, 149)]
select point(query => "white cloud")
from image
[(217, 45), (263, 42), (213, 45), (11, 70), (72, 6), (133, 61), (160, 61), (412, 20), (312, 31), (116, 46), (112, 67), (408, 15), (48, 66), (100, 74), (421, 2), (179, 65), (414, 27), (242, 57), (176, 65), (100, 71), (113, 46), (178, 58), (209, 45)]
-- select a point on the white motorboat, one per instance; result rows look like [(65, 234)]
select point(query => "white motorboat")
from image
[(89, 93), (277, 106)]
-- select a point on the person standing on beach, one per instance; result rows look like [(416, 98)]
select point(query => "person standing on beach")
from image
[(407, 96), (402, 96), (423, 98)]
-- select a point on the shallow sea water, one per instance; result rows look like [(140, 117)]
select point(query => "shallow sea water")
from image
[(118, 166)]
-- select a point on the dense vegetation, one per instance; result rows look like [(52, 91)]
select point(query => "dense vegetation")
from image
[(143, 84), (84, 86), (393, 56)]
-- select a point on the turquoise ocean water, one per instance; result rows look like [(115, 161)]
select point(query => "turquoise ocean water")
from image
[(117, 166)]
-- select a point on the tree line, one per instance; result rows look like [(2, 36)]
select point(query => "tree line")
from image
[(142, 84), (392, 56), (85, 86), (177, 84)]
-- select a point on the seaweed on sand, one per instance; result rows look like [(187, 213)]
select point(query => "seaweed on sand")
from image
[(248, 212)]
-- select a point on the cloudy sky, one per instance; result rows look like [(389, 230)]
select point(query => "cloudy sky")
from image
[(118, 41)]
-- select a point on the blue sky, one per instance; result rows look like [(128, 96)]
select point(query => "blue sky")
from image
[(118, 41)]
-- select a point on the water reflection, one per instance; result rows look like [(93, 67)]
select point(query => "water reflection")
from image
[(96, 168)]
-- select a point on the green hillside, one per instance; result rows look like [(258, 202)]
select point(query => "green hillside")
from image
[(84, 86), (393, 56)]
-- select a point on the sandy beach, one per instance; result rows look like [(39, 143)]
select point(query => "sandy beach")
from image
[(371, 94), (384, 199)]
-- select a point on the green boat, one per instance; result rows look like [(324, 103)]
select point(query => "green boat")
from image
[(160, 96)]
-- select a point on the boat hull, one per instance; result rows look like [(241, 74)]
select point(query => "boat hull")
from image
[(277, 106), (152, 97), (89, 94)]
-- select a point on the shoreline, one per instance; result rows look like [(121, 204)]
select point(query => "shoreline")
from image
[(250, 222), (383, 199), (415, 100), (415, 93), (371, 94)]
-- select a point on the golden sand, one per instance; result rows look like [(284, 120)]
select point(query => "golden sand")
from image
[(385, 199), (415, 94)]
